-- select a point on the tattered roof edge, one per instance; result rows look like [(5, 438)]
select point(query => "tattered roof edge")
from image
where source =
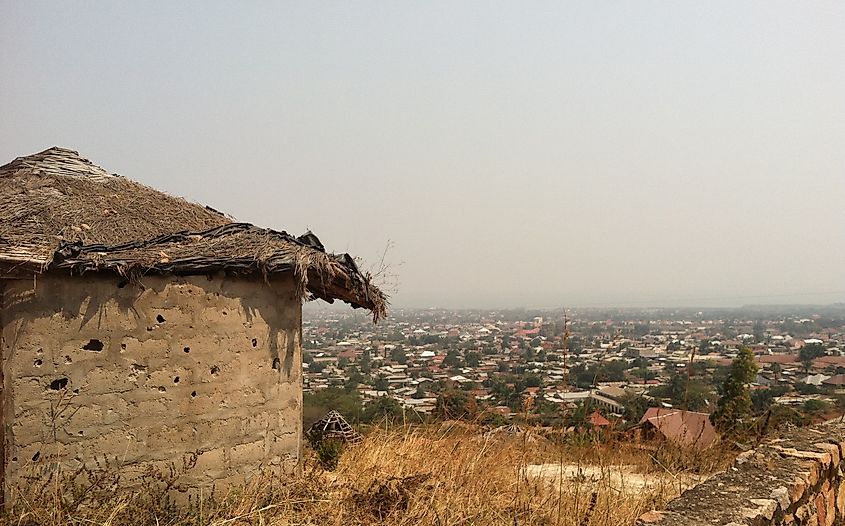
[(320, 274), (239, 248)]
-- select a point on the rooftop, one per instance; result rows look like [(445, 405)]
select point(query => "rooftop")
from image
[(59, 211)]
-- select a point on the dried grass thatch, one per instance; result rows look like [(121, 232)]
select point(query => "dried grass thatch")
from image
[(60, 211)]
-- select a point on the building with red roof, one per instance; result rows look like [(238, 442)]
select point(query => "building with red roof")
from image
[(597, 420), (685, 428)]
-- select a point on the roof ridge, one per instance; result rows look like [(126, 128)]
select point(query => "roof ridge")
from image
[(57, 160)]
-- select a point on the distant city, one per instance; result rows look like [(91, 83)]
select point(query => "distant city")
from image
[(549, 365)]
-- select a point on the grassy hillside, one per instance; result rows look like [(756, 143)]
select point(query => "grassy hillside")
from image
[(449, 475)]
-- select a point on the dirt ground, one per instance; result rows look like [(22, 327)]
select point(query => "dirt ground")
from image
[(622, 478)]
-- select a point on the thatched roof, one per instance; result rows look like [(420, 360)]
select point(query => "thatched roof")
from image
[(60, 211), (333, 425)]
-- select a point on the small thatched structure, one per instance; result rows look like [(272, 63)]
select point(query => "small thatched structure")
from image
[(333, 425), (142, 327), (514, 431), (511, 429)]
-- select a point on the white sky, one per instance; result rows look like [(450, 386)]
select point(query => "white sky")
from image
[(518, 154)]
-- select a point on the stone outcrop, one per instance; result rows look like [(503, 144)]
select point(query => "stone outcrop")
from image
[(797, 479)]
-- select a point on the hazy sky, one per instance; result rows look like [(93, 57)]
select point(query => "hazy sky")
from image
[(517, 154)]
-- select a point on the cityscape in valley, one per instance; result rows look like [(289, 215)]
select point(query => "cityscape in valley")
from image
[(580, 367)]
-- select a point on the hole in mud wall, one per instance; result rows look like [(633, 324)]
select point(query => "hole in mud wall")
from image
[(176, 380), (186, 350), (58, 384), (276, 363), (162, 389), (160, 318), (193, 394), (93, 345), (214, 370), (254, 342), (38, 362), (36, 456), (68, 360)]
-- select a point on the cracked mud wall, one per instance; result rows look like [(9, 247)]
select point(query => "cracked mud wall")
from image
[(95, 368)]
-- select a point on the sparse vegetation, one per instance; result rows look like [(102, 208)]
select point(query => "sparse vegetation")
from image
[(449, 474)]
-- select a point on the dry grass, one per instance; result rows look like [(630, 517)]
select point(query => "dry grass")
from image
[(439, 476)]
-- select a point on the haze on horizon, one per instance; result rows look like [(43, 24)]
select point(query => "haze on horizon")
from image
[(539, 155)]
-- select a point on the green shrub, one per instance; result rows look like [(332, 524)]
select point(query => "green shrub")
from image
[(816, 406), (329, 451)]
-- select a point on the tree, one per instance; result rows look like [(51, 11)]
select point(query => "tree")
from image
[(782, 416), (759, 331), (354, 377), (473, 359), (683, 392), (505, 393), (491, 419), (576, 418), (453, 359), (366, 362), (383, 407), (398, 355), (808, 353), (635, 407), (735, 401), (575, 345), (455, 404), (612, 371), (762, 399), (644, 373), (582, 376), (381, 383), (421, 392), (805, 389), (814, 406), (548, 413), (641, 329), (315, 405)]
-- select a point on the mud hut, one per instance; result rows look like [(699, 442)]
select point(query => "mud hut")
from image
[(142, 328)]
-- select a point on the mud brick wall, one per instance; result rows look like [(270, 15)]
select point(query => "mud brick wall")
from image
[(93, 367), (798, 479)]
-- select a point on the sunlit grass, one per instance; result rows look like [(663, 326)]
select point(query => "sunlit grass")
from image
[(444, 475)]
